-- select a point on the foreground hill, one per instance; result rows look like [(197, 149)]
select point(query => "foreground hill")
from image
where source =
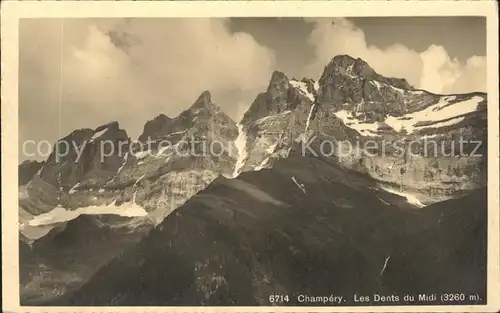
[(71, 253), (308, 226)]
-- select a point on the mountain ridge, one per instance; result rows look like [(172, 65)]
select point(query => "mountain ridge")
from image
[(288, 111), (141, 184)]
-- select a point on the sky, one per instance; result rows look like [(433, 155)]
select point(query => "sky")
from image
[(82, 73)]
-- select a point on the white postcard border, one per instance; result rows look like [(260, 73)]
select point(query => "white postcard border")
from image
[(13, 10)]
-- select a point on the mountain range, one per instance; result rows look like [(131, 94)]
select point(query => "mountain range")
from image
[(287, 201)]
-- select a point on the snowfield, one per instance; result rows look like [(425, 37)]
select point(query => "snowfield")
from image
[(303, 88), (438, 115), (60, 214), (279, 115), (410, 198), (365, 129), (240, 143), (98, 134), (442, 113), (142, 154), (309, 117)]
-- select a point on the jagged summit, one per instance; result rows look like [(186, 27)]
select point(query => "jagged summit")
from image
[(112, 125), (204, 101), (278, 84), (359, 68), (109, 131), (202, 109), (282, 94), (278, 76), (154, 126), (345, 60)]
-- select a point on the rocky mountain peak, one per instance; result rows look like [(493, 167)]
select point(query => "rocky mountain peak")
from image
[(110, 131), (154, 126), (278, 84), (281, 95), (278, 76), (204, 101), (346, 61), (109, 126), (358, 68), (196, 119), (83, 155), (351, 66), (351, 81)]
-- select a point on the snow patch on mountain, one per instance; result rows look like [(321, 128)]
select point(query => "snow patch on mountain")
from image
[(142, 154), (240, 143), (309, 117), (262, 165), (301, 186), (125, 158), (410, 198), (379, 86), (39, 170), (73, 189), (61, 214), (269, 151), (365, 129), (383, 201), (98, 134), (140, 178), (399, 90), (266, 118), (301, 86), (384, 267), (162, 150), (271, 148), (316, 86), (443, 113)]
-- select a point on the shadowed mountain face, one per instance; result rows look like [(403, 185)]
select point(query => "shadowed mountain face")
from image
[(307, 226), (70, 254), (27, 170)]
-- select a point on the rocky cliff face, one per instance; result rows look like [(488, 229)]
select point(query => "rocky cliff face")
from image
[(103, 173), (103, 170), (416, 140), (275, 119), (27, 170), (423, 146), (85, 156)]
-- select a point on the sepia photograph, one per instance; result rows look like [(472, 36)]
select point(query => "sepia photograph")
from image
[(314, 161)]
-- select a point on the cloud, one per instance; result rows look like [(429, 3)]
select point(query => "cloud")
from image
[(131, 70), (432, 69), (446, 75)]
